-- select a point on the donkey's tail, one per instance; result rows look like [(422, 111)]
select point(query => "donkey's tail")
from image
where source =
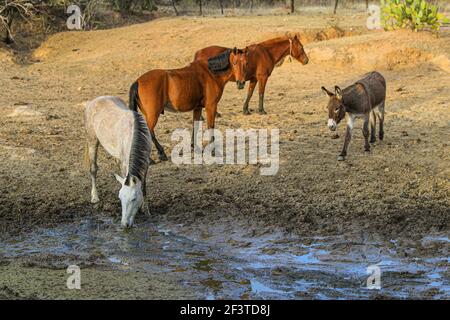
[(134, 97)]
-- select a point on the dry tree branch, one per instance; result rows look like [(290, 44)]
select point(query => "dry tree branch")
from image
[(11, 10)]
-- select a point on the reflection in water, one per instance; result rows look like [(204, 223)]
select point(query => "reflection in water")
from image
[(233, 265)]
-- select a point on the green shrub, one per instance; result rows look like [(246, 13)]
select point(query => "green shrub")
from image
[(414, 14)]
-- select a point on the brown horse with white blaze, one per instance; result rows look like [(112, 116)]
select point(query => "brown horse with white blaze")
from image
[(263, 57), (199, 85)]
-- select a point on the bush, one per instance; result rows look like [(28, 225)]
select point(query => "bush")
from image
[(414, 14)]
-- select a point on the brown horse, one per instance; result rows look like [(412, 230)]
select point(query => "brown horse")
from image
[(262, 59), (197, 86)]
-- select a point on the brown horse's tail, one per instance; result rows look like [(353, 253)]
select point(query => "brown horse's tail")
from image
[(134, 97)]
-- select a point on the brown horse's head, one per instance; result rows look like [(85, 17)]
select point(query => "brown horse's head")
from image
[(239, 64), (296, 50), (336, 108)]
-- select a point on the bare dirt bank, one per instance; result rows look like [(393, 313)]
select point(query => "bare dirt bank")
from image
[(401, 188)]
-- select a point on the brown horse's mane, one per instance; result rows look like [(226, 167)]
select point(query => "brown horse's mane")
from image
[(274, 40)]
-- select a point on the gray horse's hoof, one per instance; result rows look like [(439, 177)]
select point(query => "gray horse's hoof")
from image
[(341, 158)]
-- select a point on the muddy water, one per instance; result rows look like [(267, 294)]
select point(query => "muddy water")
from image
[(226, 260)]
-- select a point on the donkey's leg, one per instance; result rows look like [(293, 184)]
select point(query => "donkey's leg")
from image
[(251, 88), (92, 152), (262, 88), (348, 137), (381, 118), (373, 124), (366, 132)]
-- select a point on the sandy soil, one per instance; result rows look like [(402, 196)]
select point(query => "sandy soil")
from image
[(400, 189)]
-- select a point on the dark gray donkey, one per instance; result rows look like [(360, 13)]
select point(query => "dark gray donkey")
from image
[(358, 101)]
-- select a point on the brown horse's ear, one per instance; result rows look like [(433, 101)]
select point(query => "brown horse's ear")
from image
[(295, 37), (246, 51), (338, 92), (327, 92), (234, 50)]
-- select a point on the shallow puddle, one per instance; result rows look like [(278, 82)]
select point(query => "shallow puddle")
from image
[(225, 262)]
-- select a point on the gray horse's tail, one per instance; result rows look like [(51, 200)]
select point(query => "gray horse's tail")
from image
[(134, 97)]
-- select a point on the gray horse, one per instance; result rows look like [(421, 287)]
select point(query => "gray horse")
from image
[(124, 135)]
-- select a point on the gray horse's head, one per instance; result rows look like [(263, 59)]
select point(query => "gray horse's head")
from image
[(131, 198)]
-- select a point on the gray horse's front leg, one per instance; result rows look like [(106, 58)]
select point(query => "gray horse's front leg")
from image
[(92, 153)]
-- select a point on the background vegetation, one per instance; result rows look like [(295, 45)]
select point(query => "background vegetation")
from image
[(24, 22)]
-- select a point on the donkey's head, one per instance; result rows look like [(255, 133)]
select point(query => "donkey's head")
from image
[(239, 64), (296, 50), (131, 198), (336, 108)]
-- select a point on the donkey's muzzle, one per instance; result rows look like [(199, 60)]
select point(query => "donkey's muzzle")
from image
[(240, 85), (332, 124)]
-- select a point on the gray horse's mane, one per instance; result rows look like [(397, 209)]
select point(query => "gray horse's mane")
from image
[(140, 149), (219, 63)]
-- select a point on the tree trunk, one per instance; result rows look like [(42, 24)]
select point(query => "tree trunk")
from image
[(292, 6), (221, 6), (174, 7), (335, 6), (200, 6), (251, 6), (367, 4)]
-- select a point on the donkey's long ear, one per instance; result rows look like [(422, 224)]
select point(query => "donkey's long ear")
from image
[(328, 93), (338, 92)]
